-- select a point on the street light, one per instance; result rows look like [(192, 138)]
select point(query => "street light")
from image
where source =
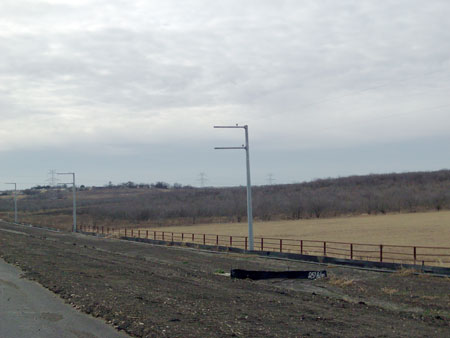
[(249, 185), (15, 201), (74, 228)]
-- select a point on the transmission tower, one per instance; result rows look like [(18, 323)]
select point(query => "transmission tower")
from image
[(52, 180), (202, 179), (270, 179)]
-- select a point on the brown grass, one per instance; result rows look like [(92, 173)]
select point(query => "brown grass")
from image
[(428, 229), (340, 282), (389, 291), (405, 272), (415, 229)]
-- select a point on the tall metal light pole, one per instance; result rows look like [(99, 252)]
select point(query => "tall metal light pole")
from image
[(15, 201), (74, 228), (249, 185)]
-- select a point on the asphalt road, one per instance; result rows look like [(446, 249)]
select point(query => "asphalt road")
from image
[(29, 310)]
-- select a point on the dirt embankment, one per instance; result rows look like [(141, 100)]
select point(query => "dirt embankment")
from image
[(156, 291)]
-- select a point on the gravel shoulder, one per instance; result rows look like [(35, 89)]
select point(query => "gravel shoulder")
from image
[(156, 291)]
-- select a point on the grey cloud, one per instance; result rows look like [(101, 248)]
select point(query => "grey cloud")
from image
[(319, 72)]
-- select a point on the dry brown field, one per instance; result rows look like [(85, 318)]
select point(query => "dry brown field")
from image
[(416, 238), (414, 229)]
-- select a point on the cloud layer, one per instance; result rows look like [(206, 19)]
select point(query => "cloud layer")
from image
[(303, 74)]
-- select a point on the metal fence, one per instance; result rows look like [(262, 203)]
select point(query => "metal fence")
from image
[(355, 251)]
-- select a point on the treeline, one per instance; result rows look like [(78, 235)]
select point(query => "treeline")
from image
[(370, 194)]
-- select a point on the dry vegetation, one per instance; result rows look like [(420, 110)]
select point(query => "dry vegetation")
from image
[(420, 229), (159, 205)]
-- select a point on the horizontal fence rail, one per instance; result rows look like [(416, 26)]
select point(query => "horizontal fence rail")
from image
[(354, 251)]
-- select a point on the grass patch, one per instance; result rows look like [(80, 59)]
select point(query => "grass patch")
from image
[(389, 291), (341, 282), (405, 272)]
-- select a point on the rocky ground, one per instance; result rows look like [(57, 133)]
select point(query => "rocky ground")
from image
[(156, 291)]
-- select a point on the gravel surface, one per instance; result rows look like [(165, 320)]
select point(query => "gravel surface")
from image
[(156, 291)]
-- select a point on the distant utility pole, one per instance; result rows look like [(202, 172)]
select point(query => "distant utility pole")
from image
[(249, 185), (270, 179), (15, 201), (203, 179), (74, 189)]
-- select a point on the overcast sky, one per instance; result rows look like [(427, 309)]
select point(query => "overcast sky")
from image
[(120, 90)]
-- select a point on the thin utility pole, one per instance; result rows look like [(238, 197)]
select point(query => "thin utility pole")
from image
[(74, 189), (15, 201), (249, 185)]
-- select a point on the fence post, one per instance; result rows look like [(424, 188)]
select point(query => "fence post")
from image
[(146, 234), (262, 244), (154, 235), (351, 250), (231, 240), (163, 235), (415, 255), (132, 232), (381, 253), (301, 247), (172, 236), (193, 238), (281, 245), (182, 236), (324, 248), (245, 243), (217, 239)]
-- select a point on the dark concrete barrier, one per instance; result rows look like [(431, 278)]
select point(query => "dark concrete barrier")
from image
[(255, 275)]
